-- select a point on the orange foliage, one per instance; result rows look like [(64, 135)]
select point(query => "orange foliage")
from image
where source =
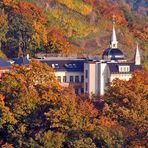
[(127, 104), (30, 11), (59, 40), (86, 108), (108, 11), (105, 121), (114, 11), (7, 145), (140, 31), (9, 2)]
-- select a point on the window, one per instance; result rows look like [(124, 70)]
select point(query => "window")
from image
[(71, 79), (59, 78), (128, 69), (64, 79), (70, 66), (55, 66), (82, 90), (74, 65), (76, 79), (86, 74), (77, 91), (86, 86), (124, 68), (82, 79), (121, 69)]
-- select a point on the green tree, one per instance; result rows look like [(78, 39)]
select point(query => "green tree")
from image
[(3, 26)]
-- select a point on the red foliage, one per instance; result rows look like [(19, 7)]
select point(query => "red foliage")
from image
[(114, 11)]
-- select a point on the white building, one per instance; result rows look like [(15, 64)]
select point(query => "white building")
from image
[(92, 76), (69, 71)]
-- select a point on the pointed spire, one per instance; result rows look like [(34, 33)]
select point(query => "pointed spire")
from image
[(114, 38), (137, 56), (114, 42)]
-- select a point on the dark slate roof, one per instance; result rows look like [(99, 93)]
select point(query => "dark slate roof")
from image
[(113, 67), (21, 60), (66, 65), (116, 54), (3, 63)]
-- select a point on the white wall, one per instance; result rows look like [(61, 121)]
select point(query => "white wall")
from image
[(86, 80), (67, 83), (125, 77), (97, 78), (68, 74), (92, 80), (103, 77)]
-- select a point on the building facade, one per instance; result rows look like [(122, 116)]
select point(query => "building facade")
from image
[(92, 76), (113, 65), (69, 71)]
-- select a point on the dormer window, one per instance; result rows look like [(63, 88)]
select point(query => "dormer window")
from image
[(124, 68), (55, 66), (70, 66)]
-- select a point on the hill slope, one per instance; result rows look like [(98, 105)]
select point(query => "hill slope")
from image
[(75, 26)]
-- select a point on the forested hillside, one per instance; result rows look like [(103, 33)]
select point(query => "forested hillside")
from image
[(37, 112), (71, 26)]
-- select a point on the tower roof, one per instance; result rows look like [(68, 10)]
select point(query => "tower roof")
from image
[(113, 41), (137, 51), (3, 63), (137, 56), (21, 60), (113, 54), (113, 38)]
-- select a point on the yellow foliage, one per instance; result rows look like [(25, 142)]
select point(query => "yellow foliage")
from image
[(40, 35), (6, 115), (77, 5), (9, 2), (74, 26)]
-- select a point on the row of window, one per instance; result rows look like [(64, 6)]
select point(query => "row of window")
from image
[(79, 90), (124, 68), (66, 65), (72, 79)]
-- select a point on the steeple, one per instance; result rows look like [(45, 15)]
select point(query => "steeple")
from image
[(114, 42), (137, 56)]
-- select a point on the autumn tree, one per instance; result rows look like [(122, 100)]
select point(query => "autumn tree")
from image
[(22, 90), (36, 111), (3, 26), (57, 42), (127, 104), (16, 85), (8, 2), (36, 18), (18, 36)]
